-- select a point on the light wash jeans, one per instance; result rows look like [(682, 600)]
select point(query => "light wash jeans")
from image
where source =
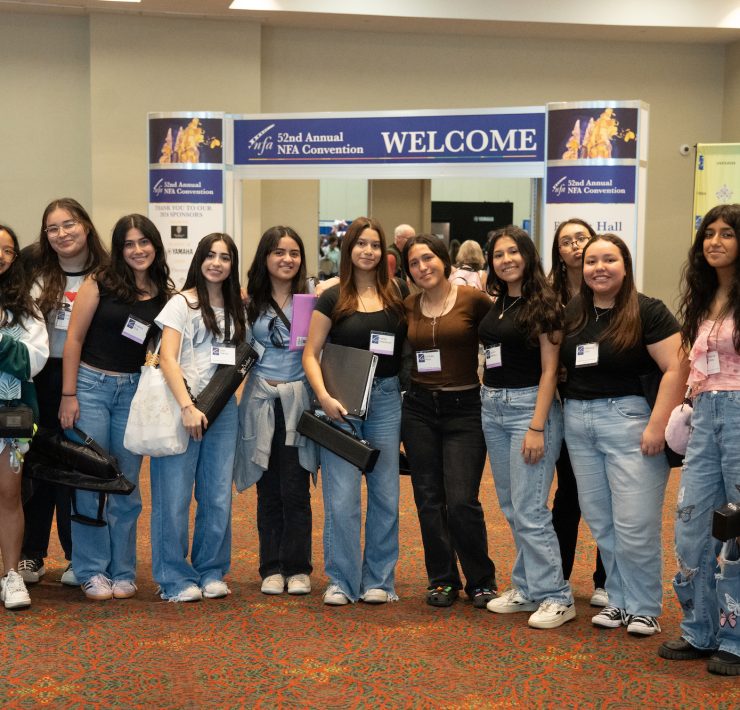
[(523, 489), (206, 466), (344, 562), (105, 401), (621, 494), (709, 595)]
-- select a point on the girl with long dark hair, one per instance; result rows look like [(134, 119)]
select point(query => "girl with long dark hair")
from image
[(709, 592), (270, 451), (365, 310), (24, 347), (198, 325), (613, 337), (67, 250), (523, 423), (110, 326)]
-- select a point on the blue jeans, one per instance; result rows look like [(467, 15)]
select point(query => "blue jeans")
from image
[(207, 467), (105, 401), (344, 562), (523, 489), (709, 479), (621, 494)]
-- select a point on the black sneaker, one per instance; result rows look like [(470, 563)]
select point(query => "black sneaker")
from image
[(724, 663), (640, 625), (610, 617), (441, 596), (31, 570), (481, 596)]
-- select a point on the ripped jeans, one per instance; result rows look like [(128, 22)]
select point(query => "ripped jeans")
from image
[(709, 595)]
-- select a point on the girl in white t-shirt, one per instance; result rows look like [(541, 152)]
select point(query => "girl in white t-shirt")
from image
[(196, 325)]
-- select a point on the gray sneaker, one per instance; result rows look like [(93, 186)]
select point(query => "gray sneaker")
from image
[(31, 570)]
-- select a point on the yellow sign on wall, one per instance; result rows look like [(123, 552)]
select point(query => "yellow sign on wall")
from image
[(717, 177)]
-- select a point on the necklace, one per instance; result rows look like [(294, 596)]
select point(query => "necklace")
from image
[(438, 316), (505, 308), (605, 311), (362, 302)]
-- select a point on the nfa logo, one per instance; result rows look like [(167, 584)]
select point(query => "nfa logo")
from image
[(158, 187), (559, 187), (261, 142)]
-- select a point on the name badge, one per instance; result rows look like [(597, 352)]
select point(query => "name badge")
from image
[(382, 343), (493, 356), (258, 347), (587, 354), (713, 363), (135, 329), (223, 354), (428, 361), (61, 322)]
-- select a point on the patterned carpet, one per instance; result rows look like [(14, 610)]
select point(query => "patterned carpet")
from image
[(251, 650)]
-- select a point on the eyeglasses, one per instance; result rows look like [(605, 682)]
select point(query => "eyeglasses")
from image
[(276, 337), (9, 253), (55, 230), (578, 241)]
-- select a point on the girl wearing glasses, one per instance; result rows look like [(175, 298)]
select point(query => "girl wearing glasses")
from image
[(565, 277), (270, 451), (111, 323), (200, 327), (68, 249), (709, 592), (24, 347), (365, 310)]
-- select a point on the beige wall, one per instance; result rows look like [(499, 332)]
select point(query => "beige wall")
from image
[(45, 90), (394, 202), (731, 109)]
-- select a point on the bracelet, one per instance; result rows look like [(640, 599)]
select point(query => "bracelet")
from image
[(64, 394), (539, 431)]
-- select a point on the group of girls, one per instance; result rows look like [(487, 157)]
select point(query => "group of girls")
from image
[(585, 331)]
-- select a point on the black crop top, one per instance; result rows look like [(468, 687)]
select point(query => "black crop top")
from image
[(354, 331), (105, 346)]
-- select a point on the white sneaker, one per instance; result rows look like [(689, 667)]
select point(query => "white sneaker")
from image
[(31, 570), (274, 584), (13, 591), (642, 625), (123, 589), (599, 597), (334, 596), (98, 588), (69, 578), (375, 596), (191, 593), (551, 614), (510, 602), (216, 589), (299, 584)]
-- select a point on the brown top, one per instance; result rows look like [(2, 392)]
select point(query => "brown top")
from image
[(455, 336)]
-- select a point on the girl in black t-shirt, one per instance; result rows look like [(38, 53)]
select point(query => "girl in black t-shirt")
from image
[(613, 336), (523, 424), (364, 311)]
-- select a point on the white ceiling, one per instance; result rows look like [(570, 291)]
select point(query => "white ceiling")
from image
[(688, 21)]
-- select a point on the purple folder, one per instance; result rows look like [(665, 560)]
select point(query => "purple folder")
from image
[(303, 305)]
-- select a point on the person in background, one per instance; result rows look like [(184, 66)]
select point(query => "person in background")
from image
[(67, 250), (707, 583), (401, 234), (201, 326), (613, 336), (566, 276), (270, 451), (441, 425), (365, 310), (469, 269), (523, 423), (110, 326), (24, 347)]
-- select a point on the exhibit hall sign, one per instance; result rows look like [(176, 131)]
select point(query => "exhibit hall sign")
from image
[(596, 170), (186, 182)]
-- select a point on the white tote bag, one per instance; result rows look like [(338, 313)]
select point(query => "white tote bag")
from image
[(154, 426)]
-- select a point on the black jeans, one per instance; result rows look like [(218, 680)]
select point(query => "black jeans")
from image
[(38, 510), (443, 439), (284, 509), (566, 515)]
